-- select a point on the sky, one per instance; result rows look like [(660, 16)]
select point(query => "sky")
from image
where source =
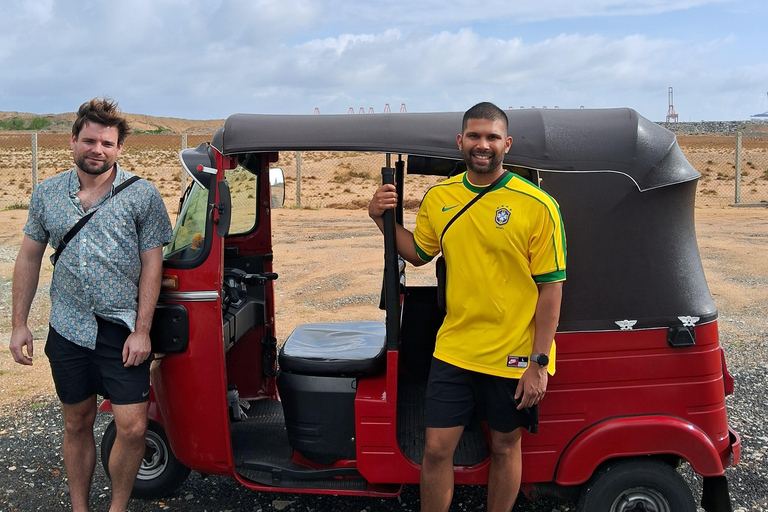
[(209, 59)]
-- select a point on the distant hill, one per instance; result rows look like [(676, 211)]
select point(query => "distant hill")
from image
[(62, 123)]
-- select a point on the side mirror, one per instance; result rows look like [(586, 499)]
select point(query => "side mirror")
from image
[(225, 209), (276, 187)]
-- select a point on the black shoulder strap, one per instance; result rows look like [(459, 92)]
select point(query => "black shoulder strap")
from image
[(473, 201), (84, 219)]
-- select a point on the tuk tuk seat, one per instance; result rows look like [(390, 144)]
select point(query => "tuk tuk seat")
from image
[(335, 349)]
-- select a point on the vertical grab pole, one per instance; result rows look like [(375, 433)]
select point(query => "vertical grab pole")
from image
[(391, 270), (399, 180)]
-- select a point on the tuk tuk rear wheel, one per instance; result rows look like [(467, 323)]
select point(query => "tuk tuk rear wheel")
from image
[(160, 473), (645, 485)]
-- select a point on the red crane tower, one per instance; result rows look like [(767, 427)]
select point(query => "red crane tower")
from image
[(671, 114)]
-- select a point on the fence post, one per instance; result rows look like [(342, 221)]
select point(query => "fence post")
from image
[(34, 160), (298, 180), (737, 189), (183, 174)]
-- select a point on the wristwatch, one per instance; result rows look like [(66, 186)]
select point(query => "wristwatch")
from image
[(540, 359)]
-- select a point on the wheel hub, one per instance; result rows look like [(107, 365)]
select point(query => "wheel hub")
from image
[(155, 457), (641, 499)]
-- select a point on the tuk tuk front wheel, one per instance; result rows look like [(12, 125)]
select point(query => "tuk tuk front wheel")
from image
[(645, 485), (160, 473)]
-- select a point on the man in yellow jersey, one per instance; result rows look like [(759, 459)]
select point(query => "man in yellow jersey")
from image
[(505, 258)]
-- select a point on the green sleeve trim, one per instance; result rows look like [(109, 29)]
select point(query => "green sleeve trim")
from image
[(424, 256), (552, 277)]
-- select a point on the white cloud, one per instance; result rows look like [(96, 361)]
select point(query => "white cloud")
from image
[(453, 12), (210, 59)]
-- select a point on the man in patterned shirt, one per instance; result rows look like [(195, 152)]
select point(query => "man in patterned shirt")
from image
[(505, 259), (104, 290)]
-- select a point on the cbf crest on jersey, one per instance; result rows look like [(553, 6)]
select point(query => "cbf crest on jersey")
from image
[(502, 215)]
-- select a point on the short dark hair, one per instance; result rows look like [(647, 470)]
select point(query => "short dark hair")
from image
[(485, 110), (103, 111)]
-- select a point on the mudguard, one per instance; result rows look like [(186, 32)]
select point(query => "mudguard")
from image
[(635, 436)]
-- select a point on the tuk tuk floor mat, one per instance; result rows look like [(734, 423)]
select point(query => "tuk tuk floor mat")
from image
[(411, 412), (262, 440)]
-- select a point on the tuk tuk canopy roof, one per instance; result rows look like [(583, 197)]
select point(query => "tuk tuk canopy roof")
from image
[(559, 140), (626, 193)]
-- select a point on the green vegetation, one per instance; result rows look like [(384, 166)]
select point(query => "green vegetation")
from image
[(18, 206), (38, 123), (156, 131), (17, 123)]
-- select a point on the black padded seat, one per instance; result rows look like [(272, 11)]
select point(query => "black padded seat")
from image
[(335, 349)]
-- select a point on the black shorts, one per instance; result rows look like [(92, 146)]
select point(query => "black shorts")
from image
[(456, 397), (79, 372)]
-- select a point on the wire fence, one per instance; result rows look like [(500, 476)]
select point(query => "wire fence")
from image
[(734, 169)]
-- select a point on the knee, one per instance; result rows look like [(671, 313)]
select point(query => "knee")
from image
[(79, 424), (505, 450), (437, 452), (132, 432), (506, 445)]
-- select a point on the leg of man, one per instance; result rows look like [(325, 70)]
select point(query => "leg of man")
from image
[(127, 452), (436, 487), (79, 450), (506, 470)]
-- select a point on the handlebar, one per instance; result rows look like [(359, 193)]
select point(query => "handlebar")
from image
[(239, 278)]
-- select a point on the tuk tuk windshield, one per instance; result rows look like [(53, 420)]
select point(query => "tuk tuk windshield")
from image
[(189, 232)]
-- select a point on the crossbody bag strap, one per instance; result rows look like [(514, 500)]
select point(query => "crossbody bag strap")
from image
[(84, 220), (473, 201)]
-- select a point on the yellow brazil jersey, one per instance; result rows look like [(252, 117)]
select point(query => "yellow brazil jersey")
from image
[(496, 252)]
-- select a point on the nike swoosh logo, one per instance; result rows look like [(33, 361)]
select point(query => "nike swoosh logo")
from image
[(446, 208), (144, 394)]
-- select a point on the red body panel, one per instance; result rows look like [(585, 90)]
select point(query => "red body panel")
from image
[(191, 387), (379, 458), (609, 383)]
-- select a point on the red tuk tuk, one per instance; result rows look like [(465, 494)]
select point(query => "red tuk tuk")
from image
[(338, 408)]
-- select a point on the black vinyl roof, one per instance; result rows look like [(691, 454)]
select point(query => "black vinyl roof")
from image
[(606, 140)]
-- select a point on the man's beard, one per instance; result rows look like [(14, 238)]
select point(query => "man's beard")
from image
[(493, 163), (97, 170)]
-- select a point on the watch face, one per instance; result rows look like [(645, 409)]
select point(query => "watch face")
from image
[(541, 359)]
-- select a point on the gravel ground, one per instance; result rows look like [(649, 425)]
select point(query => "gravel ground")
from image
[(32, 473), (32, 477)]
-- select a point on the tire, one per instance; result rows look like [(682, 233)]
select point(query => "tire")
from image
[(634, 485), (160, 473)]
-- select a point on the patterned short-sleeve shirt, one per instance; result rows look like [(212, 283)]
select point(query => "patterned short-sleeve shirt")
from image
[(98, 273)]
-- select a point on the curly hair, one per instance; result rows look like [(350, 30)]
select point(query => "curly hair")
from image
[(103, 111)]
